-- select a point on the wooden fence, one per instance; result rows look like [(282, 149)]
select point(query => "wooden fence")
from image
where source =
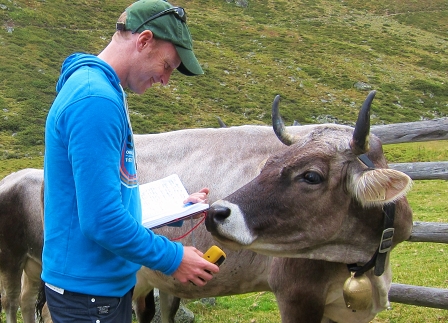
[(422, 231)]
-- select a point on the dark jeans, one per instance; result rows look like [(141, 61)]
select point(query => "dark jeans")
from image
[(81, 308)]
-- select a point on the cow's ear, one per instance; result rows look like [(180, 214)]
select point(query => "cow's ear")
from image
[(381, 186)]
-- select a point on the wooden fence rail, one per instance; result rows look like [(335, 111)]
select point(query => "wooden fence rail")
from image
[(429, 232), (423, 170), (422, 231), (418, 131), (419, 295)]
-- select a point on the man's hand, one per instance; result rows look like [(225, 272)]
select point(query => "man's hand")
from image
[(198, 197), (193, 268)]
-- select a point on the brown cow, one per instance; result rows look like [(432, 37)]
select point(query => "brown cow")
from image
[(329, 197)]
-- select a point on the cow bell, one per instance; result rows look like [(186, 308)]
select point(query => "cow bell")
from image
[(357, 292)]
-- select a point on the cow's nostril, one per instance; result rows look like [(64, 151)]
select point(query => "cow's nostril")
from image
[(220, 213), (215, 216)]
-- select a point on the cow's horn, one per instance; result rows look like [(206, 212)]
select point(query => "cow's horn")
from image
[(360, 141), (279, 126)]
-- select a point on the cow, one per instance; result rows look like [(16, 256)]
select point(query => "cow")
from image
[(329, 198), (188, 155), (189, 158), (223, 159), (20, 242)]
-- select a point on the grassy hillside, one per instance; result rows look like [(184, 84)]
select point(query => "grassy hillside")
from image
[(322, 57), (312, 53)]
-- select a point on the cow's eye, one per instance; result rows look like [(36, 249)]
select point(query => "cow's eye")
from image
[(312, 177)]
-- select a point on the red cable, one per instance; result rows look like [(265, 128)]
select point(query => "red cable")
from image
[(188, 232)]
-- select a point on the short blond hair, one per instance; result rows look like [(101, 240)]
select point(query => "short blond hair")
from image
[(121, 33), (122, 17), (125, 33)]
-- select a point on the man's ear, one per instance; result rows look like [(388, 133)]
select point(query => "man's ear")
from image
[(145, 39)]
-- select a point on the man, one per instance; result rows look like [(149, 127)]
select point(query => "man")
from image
[(94, 242)]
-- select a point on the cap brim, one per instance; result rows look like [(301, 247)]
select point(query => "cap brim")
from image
[(190, 65)]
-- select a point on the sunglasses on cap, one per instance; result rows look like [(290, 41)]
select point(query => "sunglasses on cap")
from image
[(178, 12)]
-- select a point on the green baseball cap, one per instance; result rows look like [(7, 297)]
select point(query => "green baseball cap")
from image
[(168, 23)]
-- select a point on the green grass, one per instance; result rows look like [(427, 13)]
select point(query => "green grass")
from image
[(417, 152), (253, 307), (310, 52), (8, 166)]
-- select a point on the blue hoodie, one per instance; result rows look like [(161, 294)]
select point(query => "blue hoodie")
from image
[(93, 240)]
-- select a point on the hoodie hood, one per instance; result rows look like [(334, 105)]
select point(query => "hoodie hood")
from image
[(79, 60)]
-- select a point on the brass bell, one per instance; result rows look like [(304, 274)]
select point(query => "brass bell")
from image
[(357, 292)]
